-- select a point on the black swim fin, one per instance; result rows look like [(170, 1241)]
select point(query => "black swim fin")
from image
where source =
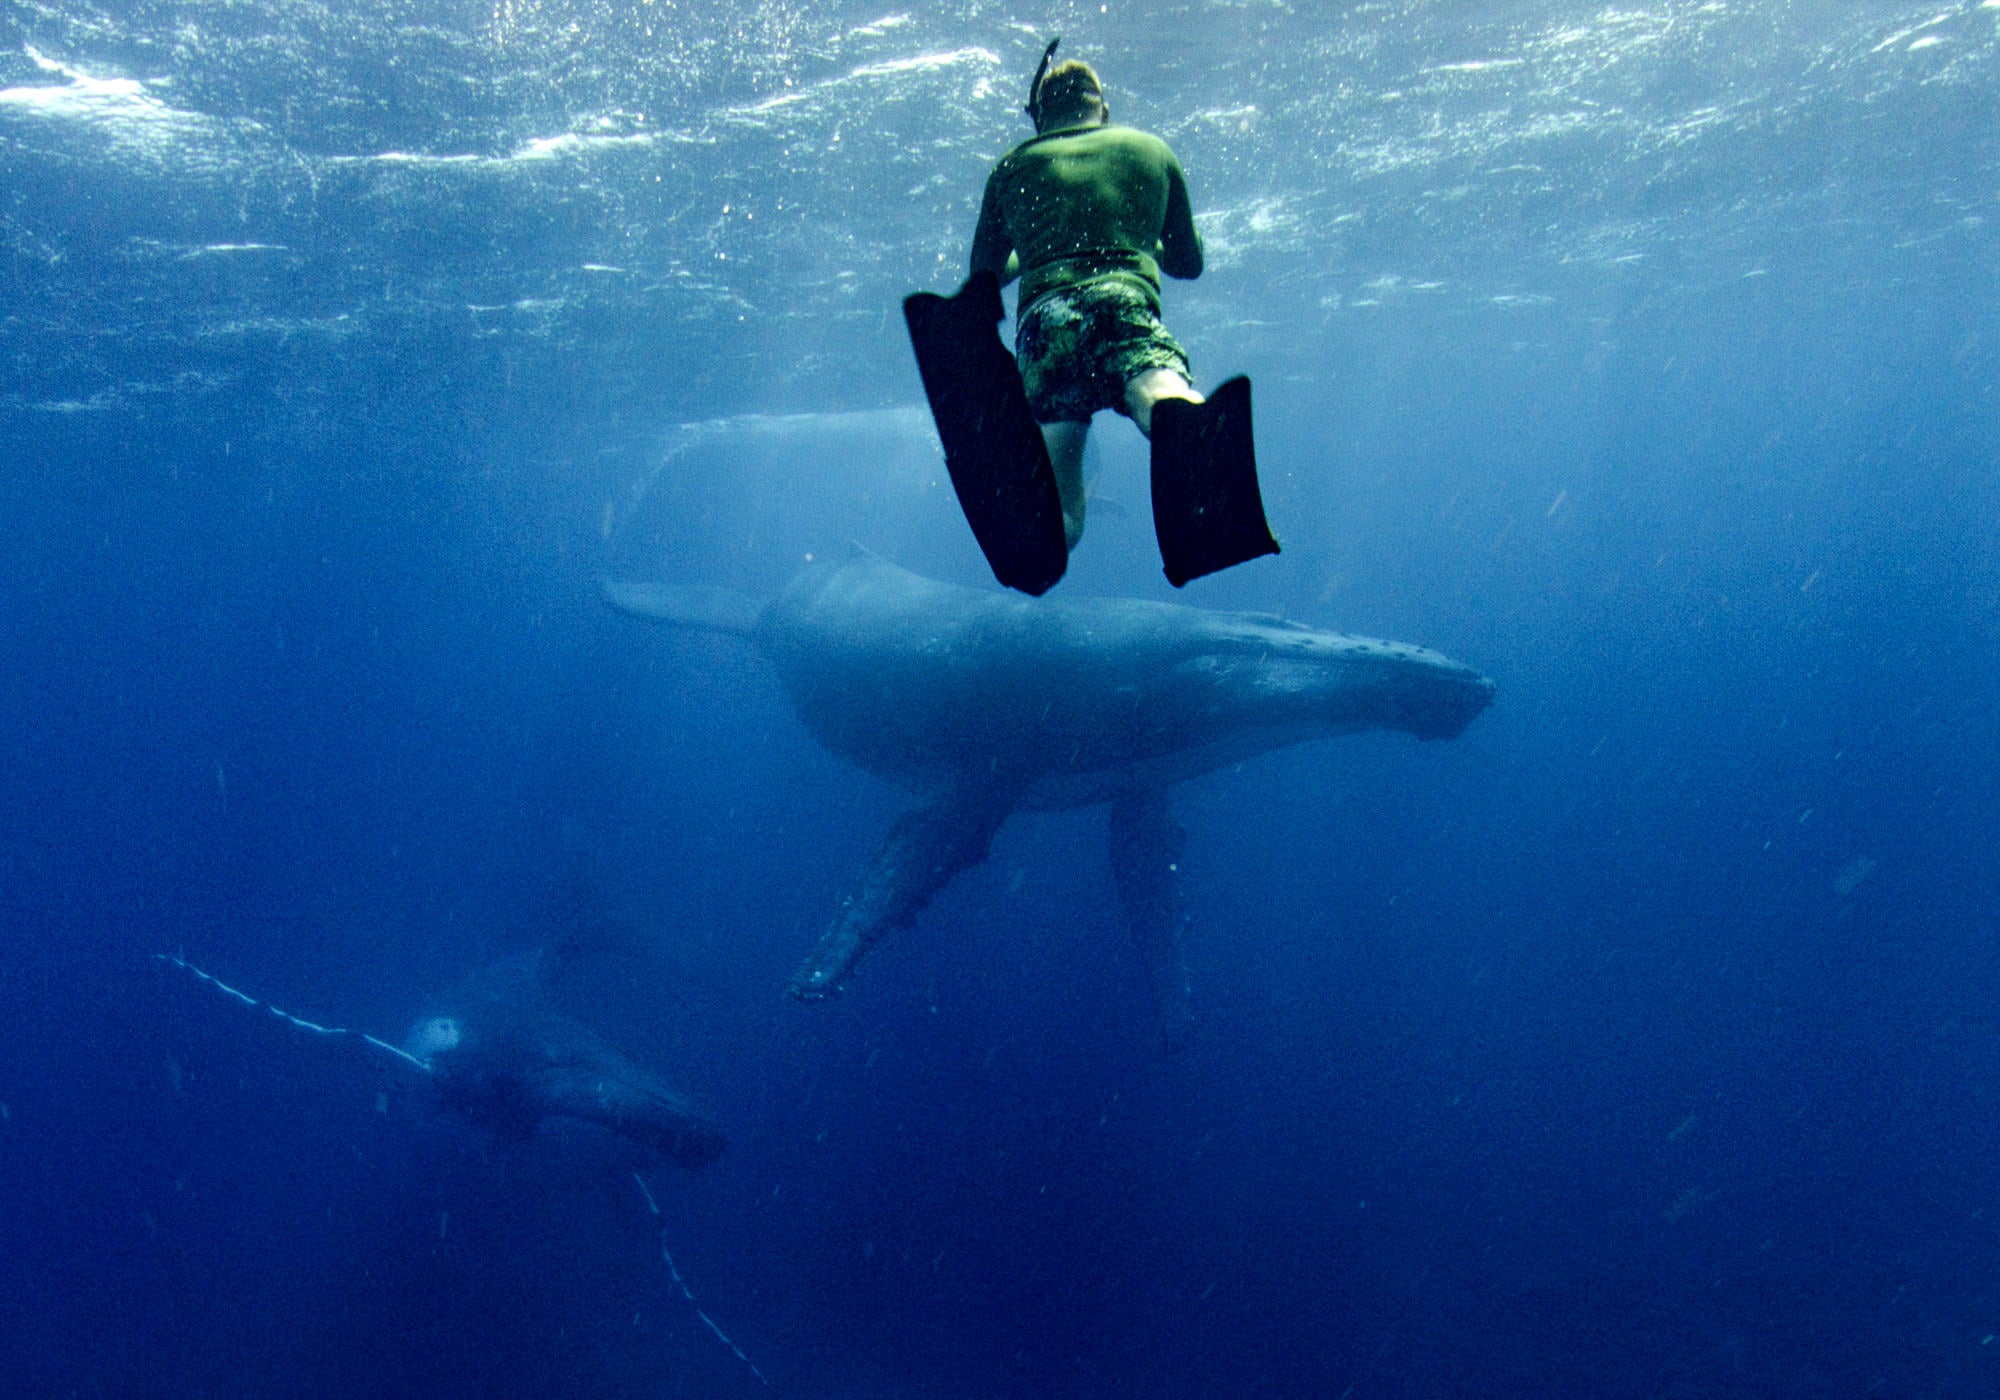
[(992, 445), (1207, 510)]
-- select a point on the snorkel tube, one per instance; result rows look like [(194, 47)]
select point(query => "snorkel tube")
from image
[(1034, 107)]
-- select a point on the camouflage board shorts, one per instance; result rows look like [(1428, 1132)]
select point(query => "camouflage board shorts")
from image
[(1079, 346)]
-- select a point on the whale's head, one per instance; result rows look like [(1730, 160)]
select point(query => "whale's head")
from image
[(433, 1036), (1269, 671)]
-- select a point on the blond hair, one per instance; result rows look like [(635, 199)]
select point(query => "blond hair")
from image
[(1066, 90)]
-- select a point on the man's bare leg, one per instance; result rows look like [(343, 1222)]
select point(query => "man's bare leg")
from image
[(1065, 444), (1142, 391)]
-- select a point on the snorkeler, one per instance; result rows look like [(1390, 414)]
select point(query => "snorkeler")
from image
[(1088, 216)]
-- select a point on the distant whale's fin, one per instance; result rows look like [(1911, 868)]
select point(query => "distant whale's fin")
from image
[(927, 847), (589, 938), (1146, 845), (686, 605)]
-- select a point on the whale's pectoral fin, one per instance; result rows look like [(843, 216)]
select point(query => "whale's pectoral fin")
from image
[(699, 607), (1146, 847), (927, 846)]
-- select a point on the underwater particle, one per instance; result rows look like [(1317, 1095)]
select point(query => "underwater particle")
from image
[(1687, 1202), (1852, 874)]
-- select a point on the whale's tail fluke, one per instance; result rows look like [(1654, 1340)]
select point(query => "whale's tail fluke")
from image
[(700, 606)]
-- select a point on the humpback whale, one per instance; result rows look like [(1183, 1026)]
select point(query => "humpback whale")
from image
[(502, 1055), (983, 702)]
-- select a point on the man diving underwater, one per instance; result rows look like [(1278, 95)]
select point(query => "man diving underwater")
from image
[(1088, 216)]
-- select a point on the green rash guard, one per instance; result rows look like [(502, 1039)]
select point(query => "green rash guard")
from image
[(1087, 202)]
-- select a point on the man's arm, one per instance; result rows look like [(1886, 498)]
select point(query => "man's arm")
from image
[(992, 248), (1180, 245)]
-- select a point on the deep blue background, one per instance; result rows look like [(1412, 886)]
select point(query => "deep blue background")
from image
[(1576, 1056)]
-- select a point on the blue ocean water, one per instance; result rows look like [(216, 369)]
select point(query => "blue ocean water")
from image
[(1640, 1042)]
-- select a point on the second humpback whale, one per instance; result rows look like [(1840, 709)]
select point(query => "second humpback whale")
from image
[(982, 702), (502, 1055)]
